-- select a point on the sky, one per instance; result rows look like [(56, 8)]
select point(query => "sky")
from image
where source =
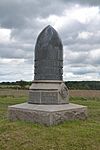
[(77, 23)]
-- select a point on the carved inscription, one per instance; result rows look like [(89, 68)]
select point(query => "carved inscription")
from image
[(34, 97), (48, 55), (49, 97)]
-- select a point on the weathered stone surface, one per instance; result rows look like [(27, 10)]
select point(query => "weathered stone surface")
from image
[(47, 114), (63, 91), (48, 92), (48, 55)]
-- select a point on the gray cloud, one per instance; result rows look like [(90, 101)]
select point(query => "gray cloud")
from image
[(83, 71), (19, 14), (84, 2), (16, 51)]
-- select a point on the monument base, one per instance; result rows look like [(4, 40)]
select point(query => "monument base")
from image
[(47, 114), (48, 92)]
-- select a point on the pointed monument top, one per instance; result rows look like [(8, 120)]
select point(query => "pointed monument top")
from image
[(49, 36), (48, 55), (49, 26)]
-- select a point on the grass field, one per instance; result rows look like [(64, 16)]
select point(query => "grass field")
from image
[(71, 135)]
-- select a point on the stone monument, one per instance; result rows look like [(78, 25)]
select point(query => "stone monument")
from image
[(48, 87), (48, 101)]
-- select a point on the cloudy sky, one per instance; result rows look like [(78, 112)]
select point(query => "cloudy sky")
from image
[(78, 25)]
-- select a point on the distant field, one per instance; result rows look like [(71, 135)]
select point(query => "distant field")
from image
[(72, 93), (13, 92), (84, 93)]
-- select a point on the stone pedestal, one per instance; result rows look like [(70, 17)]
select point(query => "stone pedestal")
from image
[(48, 104), (48, 92), (47, 114)]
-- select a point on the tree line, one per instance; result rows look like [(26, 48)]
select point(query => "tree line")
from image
[(72, 85), (83, 85)]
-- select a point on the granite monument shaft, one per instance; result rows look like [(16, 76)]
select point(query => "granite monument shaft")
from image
[(48, 55)]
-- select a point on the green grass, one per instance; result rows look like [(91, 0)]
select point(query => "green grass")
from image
[(71, 135)]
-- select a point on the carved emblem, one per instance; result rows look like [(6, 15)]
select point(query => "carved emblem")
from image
[(63, 91)]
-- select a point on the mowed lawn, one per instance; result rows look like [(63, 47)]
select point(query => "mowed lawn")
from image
[(71, 135)]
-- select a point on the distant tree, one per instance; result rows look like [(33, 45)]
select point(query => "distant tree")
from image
[(21, 83), (83, 85), (72, 85)]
